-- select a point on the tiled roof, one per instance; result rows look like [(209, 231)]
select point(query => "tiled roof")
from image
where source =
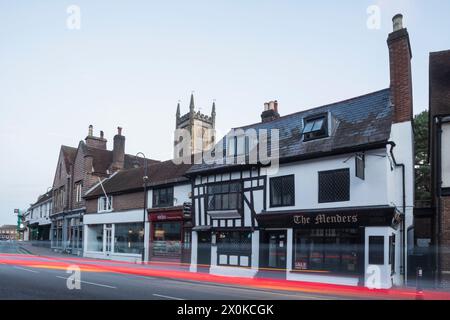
[(357, 122), (161, 173), (440, 83), (102, 159)]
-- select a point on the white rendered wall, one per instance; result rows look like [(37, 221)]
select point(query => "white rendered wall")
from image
[(369, 192)]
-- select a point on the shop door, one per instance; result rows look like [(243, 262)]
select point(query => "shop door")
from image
[(108, 239), (276, 249), (204, 248)]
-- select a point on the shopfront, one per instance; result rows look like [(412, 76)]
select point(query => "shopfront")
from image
[(332, 246), (170, 235), (115, 236)]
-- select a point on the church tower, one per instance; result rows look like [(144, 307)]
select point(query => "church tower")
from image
[(201, 128)]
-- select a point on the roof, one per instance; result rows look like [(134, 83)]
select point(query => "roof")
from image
[(69, 154), (8, 226), (357, 122), (131, 180), (43, 198), (102, 159), (440, 83)]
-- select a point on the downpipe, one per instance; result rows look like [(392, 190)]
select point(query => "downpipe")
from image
[(403, 270)]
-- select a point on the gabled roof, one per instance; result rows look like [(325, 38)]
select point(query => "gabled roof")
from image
[(357, 122), (69, 154), (102, 159), (131, 180)]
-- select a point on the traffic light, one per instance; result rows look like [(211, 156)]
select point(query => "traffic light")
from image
[(187, 207)]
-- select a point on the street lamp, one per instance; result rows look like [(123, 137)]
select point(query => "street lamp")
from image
[(145, 180)]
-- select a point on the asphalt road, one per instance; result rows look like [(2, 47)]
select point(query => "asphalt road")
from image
[(23, 282)]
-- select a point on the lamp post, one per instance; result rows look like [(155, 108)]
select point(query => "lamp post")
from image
[(145, 180)]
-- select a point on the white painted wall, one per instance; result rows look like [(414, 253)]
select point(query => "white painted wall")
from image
[(369, 192), (445, 155), (378, 276), (180, 193)]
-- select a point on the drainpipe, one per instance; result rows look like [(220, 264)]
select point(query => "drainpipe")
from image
[(437, 187), (401, 165)]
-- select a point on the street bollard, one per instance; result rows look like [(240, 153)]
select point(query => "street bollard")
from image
[(419, 290)]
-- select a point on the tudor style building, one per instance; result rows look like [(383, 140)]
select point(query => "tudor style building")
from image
[(439, 155), (113, 223), (78, 169), (338, 209)]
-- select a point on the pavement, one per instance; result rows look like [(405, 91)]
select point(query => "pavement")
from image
[(29, 272)]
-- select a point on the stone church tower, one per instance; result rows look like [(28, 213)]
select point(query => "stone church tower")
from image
[(200, 126)]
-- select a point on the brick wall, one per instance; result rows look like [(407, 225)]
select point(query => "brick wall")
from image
[(445, 240), (60, 182), (401, 75), (122, 202)]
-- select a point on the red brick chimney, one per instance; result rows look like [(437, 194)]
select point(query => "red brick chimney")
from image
[(400, 71), (118, 151), (270, 111), (95, 142)]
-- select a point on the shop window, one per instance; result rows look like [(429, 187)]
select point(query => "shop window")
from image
[(333, 250), (95, 238), (167, 239), (334, 186), (315, 128), (128, 238), (163, 197), (376, 250), (282, 191), (232, 246), (225, 196)]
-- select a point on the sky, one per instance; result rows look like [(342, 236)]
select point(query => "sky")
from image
[(130, 62)]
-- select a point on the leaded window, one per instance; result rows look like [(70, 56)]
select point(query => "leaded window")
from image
[(225, 196), (282, 191), (334, 186)]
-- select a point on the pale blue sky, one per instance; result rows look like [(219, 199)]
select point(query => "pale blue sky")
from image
[(133, 60)]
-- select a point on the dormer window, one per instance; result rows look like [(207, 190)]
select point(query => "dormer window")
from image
[(315, 128)]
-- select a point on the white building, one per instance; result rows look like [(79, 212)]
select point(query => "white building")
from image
[(339, 208)]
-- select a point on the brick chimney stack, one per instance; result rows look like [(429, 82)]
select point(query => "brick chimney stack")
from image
[(118, 151), (270, 111), (400, 71), (95, 142)]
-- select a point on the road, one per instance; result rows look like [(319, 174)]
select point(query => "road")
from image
[(19, 281)]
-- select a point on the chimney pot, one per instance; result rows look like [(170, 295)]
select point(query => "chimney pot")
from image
[(397, 22), (119, 131), (102, 134), (91, 130)]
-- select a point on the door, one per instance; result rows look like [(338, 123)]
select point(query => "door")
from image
[(204, 248), (274, 245), (108, 239)]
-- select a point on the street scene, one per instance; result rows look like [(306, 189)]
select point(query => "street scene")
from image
[(154, 155)]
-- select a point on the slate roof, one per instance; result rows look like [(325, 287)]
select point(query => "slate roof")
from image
[(357, 122), (130, 180)]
